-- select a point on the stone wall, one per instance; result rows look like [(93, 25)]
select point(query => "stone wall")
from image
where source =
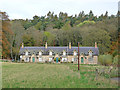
[(86, 59)]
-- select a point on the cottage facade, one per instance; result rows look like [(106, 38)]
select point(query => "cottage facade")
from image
[(88, 55)]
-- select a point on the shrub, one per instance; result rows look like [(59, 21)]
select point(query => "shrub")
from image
[(22, 61), (54, 59), (115, 53), (108, 59), (105, 59), (46, 61), (116, 60), (58, 59)]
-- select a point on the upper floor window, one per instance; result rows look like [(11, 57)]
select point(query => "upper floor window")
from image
[(75, 53), (64, 53), (40, 53), (26, 53), (90, 53), (50, 53)]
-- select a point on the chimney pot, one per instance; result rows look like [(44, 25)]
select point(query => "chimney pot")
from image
[(95, 44), (22, 45), (46, 45), (69, 45)]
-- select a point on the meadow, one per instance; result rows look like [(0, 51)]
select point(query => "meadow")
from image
[(35, 75)]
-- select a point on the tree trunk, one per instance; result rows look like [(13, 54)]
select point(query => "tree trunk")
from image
[(11, 52)]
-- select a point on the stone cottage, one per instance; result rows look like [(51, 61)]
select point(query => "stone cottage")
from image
[(88, 55)]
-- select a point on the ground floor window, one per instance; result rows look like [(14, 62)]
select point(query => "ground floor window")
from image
[(90, 59), (27, 59), (40, 59), (64, 59), (74, 59), (50, 59)]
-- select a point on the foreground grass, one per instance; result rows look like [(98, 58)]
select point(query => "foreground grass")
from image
[(51, 76)]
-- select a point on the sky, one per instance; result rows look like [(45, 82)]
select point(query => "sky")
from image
[(22, 9)]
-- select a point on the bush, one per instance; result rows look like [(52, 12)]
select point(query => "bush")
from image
[(116, 60), (115, 53), (22, 61), (46, 62), (105, 59)]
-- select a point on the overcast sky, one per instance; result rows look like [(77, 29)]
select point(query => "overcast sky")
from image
[(22, 9)]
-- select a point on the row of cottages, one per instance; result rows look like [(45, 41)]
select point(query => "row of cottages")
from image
[(88, 55)]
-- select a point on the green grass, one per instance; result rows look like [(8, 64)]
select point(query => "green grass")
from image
[(31, 75)]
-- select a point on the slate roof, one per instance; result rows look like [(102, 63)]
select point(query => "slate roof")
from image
[(58, 50)]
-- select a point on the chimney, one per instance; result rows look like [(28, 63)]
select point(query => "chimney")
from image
[(95, 44), (46, 45), (22, 45), (69, 45)]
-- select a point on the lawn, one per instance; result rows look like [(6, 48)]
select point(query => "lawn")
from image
[(34, 75)]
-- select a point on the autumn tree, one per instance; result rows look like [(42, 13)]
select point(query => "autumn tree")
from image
[(6, 35)]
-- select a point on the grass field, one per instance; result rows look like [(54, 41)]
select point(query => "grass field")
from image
[(33, 75)]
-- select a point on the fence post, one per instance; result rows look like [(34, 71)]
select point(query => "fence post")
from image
[(96, 73)]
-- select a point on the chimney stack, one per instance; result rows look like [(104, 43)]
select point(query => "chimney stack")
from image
[(95, 44), (22, 45), (46, 45), (69, 45)]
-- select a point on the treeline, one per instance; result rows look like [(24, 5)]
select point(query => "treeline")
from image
[(59, 30)]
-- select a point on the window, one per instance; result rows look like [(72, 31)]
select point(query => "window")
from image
[(64, 53), (50, 53), (64, 59), (27, 59), (50, 59), (90, 59), (40, 59), (20, 56), (40, 53), (90, 53), (26, 53), (75, 53), (74, 59)]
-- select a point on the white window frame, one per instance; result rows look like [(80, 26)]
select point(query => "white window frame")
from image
[(21, 56), (90, 53), (40, 53), (27, 59), (50, 59), (64, 59), (26, 53), (40, 59), (74, 59), (64, 53), (50, 53), (75, 53)]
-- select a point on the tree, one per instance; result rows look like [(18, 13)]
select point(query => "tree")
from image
[(66, 26), (16, 40), (28, 40), (6, 35), (92, 35)]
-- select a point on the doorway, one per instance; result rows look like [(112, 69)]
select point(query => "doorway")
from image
[(33, 59), (82, 60), (56, 59)]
